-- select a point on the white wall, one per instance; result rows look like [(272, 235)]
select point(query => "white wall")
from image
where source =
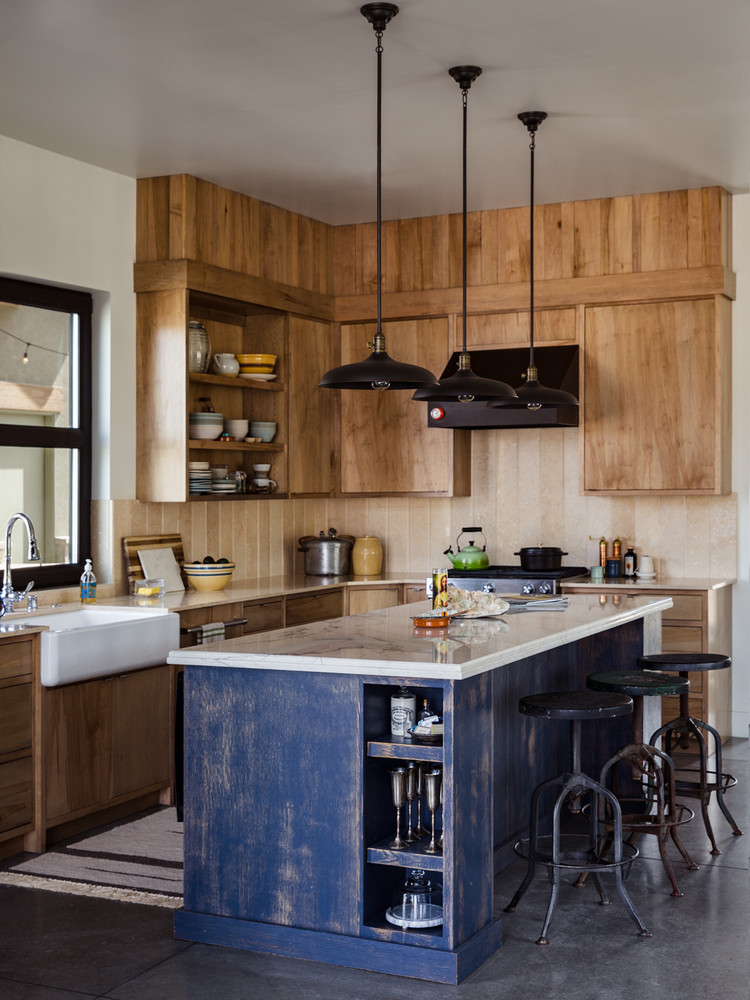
[(71, 224), (741, 465)]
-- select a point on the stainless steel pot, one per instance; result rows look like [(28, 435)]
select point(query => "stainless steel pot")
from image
[(326, 555), (540, 557)]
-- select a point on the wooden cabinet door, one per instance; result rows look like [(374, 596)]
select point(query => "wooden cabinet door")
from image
[(77, 746), (141, 748), (655, 404), (386, 445), (311, 451), (363, 599)]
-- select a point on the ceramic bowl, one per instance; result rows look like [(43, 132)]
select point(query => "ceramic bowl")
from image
[(256, 369), (208, 576), (256, 359), (206, 418), (237, 428), (204, 432), (263, 429)]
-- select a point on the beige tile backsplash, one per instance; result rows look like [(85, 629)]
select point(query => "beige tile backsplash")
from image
[(525, 491)]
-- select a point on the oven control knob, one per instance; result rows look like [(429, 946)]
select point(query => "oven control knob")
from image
[(488, 588), (528, 588), (545, 588)]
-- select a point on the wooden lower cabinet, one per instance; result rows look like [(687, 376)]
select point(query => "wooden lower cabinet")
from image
[(414, 592), (363, 599), (18, 656), (104, 741), (700, 621), (315, 606)]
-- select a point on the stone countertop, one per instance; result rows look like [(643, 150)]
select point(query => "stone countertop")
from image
[(237, 591), (385, 643), (640, 585)]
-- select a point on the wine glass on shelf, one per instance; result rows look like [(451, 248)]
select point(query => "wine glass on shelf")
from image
[(398, 794), (412, 768), (432, 783), (419, 830), (440, 838)]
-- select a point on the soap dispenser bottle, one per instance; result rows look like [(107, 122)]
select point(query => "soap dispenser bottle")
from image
[(88, 584)]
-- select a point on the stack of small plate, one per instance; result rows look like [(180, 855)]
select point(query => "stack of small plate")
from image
[(199, 477), (224, 486)]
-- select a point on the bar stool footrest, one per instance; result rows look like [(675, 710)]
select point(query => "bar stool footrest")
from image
[(575, 854)]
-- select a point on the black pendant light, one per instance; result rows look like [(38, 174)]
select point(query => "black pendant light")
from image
[(379, 371), (464, 386), (532, 394)]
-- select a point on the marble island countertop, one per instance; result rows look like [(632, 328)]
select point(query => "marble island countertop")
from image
[(385, 643), (654, 584)]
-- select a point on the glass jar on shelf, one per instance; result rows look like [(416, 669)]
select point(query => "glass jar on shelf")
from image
[(199, 347)]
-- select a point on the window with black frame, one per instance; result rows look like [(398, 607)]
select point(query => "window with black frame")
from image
[(45, 428)]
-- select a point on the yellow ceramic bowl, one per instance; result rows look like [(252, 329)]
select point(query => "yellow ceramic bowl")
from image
[(208, 576), (256, 369), (256, 359)]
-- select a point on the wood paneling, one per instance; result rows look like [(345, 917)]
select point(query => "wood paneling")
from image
[(604, 236), (182, 217), (310, 428)]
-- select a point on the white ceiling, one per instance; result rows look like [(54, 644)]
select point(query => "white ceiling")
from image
[(276, 98)]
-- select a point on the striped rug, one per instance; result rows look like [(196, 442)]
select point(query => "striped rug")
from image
[(138, 860)]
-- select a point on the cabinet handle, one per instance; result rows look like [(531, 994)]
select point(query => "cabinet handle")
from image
[(197, 628)]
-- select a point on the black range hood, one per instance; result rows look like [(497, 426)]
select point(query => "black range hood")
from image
[(558, 369)]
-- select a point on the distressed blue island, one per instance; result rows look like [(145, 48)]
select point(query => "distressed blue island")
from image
[(288, 811)]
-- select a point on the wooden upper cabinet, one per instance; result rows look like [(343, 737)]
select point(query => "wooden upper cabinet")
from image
[(657, 398), (386, 445), (311, 447)]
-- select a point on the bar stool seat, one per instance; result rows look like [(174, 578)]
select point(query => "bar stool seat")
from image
[(560, 852), (652, 808), (700, 784)]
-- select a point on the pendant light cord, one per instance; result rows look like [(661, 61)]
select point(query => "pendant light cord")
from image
[(379, 50), (532, 147), (465, 97)]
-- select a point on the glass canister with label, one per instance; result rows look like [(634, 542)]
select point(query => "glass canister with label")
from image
[(199, 347)]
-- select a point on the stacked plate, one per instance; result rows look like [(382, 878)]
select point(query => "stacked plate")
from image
[(223, 486), (199, 477)]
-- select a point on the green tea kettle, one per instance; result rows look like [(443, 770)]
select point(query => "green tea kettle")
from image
[(471, 556)]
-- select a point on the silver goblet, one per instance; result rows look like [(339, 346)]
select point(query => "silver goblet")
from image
[(432, 783), (411, 790), (419, 830), (398, 793)]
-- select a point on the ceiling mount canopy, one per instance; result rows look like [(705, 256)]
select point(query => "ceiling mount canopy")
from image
[(379, 371), (532, 394), (464, 385)]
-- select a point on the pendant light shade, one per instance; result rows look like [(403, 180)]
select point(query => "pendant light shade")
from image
[(379, 371), (532, 394), (464, 386)]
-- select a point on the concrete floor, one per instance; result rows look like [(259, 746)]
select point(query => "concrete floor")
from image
[(60, 947)]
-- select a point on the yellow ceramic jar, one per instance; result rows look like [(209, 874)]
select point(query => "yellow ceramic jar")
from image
[(367, 556)]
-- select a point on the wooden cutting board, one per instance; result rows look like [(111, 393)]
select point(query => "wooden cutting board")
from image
[(132, 543)]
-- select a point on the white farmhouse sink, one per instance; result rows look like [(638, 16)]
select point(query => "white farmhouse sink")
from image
[(96, 641)]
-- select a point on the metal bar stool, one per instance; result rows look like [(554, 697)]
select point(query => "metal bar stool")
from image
[(702, 783), (652, 809), (560, 852)]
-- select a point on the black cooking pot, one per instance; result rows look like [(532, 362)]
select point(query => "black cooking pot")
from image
[(540, 557)]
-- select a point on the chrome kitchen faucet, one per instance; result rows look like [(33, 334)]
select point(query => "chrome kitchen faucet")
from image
[(9, 596)]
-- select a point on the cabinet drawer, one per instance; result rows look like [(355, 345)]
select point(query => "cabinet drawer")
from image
[(314, 607), (681, 639), (15, 717), (414, 592), (264, 616), (16, 785), (16, 658), (687, 608)]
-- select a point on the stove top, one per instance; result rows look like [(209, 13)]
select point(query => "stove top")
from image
[(516, 573)]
